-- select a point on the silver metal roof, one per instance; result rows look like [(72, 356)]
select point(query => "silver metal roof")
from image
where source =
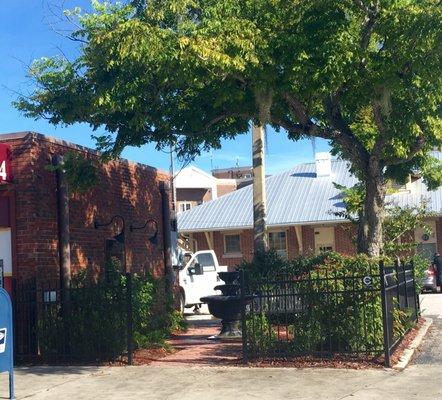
[(294, 197)]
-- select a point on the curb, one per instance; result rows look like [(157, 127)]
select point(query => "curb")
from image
[(409, 351)]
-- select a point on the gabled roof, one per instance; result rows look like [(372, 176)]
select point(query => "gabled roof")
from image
[(294, 197), (193, 177)]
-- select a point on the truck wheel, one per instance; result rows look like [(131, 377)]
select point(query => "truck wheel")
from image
[(182, 303)]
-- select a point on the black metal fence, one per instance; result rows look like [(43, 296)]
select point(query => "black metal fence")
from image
[(80, 324), (400, 304), (325, 312)]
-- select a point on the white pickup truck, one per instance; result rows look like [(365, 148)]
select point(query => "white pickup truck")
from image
[(198, 275)]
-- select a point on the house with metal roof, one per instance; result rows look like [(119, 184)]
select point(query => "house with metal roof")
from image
[(301, 213)]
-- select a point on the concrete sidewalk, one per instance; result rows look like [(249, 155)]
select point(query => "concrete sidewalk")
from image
[(229, 382), (30, 381)]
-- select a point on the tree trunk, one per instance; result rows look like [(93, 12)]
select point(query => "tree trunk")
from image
[(259, 191), (370, 240)]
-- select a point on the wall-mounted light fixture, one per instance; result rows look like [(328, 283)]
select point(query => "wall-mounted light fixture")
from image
[(152, 239), (119, 237)]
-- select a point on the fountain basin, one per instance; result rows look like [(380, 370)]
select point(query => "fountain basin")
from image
[(228, 309), (227, 306), (229, 277), (230, 289)]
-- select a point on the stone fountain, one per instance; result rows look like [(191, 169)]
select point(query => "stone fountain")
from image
[(227, 306)]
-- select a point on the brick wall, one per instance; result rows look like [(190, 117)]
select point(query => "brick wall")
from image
[(195, 196), (308, 240), (345, 234), (343, 239), (223, 189), (439, 234), (292, 243), (246, 238), (124, 188)]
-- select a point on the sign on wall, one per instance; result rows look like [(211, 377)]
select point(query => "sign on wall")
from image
[(6, 344), (5, 163), (5, 258)]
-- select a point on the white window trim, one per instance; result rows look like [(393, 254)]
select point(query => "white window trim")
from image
[(180, 203), (232, 255), (286, 238)]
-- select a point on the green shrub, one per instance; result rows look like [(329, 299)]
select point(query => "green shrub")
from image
[(402, 322), (420, 267), (340, 312), (259, 333), (95, 325)]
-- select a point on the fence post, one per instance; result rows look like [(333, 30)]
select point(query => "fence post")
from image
[(129, 318), (384, 315), (407, 304), (243, 315), (398, 287), (417, 306)]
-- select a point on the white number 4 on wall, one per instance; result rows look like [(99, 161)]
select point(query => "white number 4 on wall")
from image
[(3, 175)]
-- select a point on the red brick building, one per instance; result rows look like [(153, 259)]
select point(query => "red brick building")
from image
[(301, 214), (30, 215)]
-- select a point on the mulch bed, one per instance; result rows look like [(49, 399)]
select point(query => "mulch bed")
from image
[(147, 356), (406, 341), (340, 361), (143, 357)]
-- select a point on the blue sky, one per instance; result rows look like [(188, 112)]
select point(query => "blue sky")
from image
[(28, 32)]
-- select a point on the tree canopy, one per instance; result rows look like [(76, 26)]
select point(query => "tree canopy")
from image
[(364, 74)]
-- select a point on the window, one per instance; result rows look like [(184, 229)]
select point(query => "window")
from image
[(184, 206), (278, 242), (49, 296), (426, 239), (206, 261), (232, 244), (427, 250)]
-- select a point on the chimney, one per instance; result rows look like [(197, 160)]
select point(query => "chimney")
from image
[(323, 164)]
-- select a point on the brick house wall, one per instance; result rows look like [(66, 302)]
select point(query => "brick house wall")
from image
[(194, 196), (308, 239), (128, 189), (246, 240), (344, 235), (223, 189), (439, 234), (293, 248), (343, 242), (343, 239)]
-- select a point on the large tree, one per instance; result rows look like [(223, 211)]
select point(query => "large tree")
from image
[(364, 74)]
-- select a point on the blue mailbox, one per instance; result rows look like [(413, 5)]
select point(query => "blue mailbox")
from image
[(6, 344)]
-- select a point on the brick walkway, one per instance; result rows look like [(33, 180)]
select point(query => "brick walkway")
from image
[(194, 349)]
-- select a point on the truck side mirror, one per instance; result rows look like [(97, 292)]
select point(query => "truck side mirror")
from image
[(198, 269), (191, 270), (195, 269)]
